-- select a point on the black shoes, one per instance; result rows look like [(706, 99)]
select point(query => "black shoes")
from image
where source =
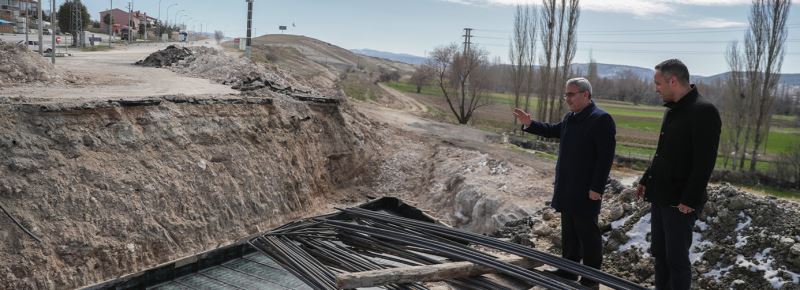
[(589, 283), (562, 274), (572, 277)]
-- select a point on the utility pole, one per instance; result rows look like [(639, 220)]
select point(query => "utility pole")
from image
[(145, 26), (110, 20), (53, 20), (248, 48), (467, 44), (41, 25), (467, 35), (27, 15), (130, 29)]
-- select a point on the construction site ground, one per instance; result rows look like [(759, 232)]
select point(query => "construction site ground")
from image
[(112, 189)]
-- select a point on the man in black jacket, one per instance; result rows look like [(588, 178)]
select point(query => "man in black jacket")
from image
[(585, 155), (675, 183)]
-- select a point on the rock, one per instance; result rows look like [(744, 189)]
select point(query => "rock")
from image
[(738, 203), (795, 249), (616, 212), (548, 215)]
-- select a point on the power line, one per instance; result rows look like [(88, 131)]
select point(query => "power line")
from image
[(643, 31), (638, 51)]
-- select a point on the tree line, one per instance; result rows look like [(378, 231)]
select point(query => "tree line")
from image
[(541, 50)]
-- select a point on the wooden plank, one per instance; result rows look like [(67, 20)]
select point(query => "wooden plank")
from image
[(427, 273)]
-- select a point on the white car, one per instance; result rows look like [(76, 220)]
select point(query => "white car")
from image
[(32, 44)]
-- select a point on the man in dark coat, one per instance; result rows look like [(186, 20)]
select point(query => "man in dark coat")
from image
[(585, 155), (675, 183)]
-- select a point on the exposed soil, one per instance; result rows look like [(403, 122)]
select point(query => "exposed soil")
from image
[(113, 184)]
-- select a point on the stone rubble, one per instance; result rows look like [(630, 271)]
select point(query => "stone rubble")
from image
[(741, 240), (19, 65)]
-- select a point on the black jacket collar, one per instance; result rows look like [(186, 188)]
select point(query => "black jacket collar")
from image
[(689, 98), (580, 116)]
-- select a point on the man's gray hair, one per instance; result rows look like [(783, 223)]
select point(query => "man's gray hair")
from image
[(582, 83)]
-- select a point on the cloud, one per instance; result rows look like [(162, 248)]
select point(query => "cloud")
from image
[(713, 23), (634, 7)]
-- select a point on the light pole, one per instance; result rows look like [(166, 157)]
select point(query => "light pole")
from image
[(41, 25), (248, 49), (167, 22), (159, 19), (110, 15), (176, 17), (178, 20), (53, 20)]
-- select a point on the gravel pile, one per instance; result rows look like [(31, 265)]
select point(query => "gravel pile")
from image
[(20, 65), (741, 240), (165, 57), (241, 74)]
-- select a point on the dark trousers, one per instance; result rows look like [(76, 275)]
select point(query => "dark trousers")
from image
[(581, 239), (672, 237)]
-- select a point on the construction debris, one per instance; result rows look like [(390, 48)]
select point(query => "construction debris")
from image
[(241, 74), (737, 242), (165, 57), (20, 65), (427, 273), (357, 240)]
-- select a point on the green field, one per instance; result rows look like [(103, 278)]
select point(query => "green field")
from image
[(638, 126)]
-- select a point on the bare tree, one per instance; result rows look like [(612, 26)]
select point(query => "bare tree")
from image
[(218, 36), (461, 78), (734, 107), (559, 23), (422, 76), (518, 54), (570, 39), (591, 71), (771, 16), (531, 59)]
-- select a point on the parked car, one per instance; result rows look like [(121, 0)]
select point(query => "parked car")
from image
[(32, 44)]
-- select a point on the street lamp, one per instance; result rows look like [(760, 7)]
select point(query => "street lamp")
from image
[(178, 20), (162, 24), (176, 15)]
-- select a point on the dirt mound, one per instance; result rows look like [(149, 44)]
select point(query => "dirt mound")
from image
[(239, 73), (741, 241), (114, 187), (20, 65), (165, 57)]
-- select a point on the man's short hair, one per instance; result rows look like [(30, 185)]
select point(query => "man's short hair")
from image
[(582, 83), (674, 67)]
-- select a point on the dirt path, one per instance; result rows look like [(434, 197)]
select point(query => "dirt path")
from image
[(409, 104), (111, 74)]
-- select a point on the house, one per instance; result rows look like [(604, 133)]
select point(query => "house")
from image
[(120, 20), (16, 11)]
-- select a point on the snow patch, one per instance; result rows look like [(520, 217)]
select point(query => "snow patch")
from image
[(620, 222), (703, 226), (764, 262), (638, 236), (747, 221), (699, 247)]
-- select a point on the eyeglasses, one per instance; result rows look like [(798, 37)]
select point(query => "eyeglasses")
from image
[(571, 94)]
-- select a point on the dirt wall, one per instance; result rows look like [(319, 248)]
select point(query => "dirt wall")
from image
[(112, 188)]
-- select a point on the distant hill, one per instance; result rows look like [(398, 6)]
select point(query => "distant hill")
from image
[(605, 70), (401, 57), (612, 70), (320, 62), (786, 79)]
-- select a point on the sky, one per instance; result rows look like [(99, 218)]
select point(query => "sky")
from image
[(629, 32)]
